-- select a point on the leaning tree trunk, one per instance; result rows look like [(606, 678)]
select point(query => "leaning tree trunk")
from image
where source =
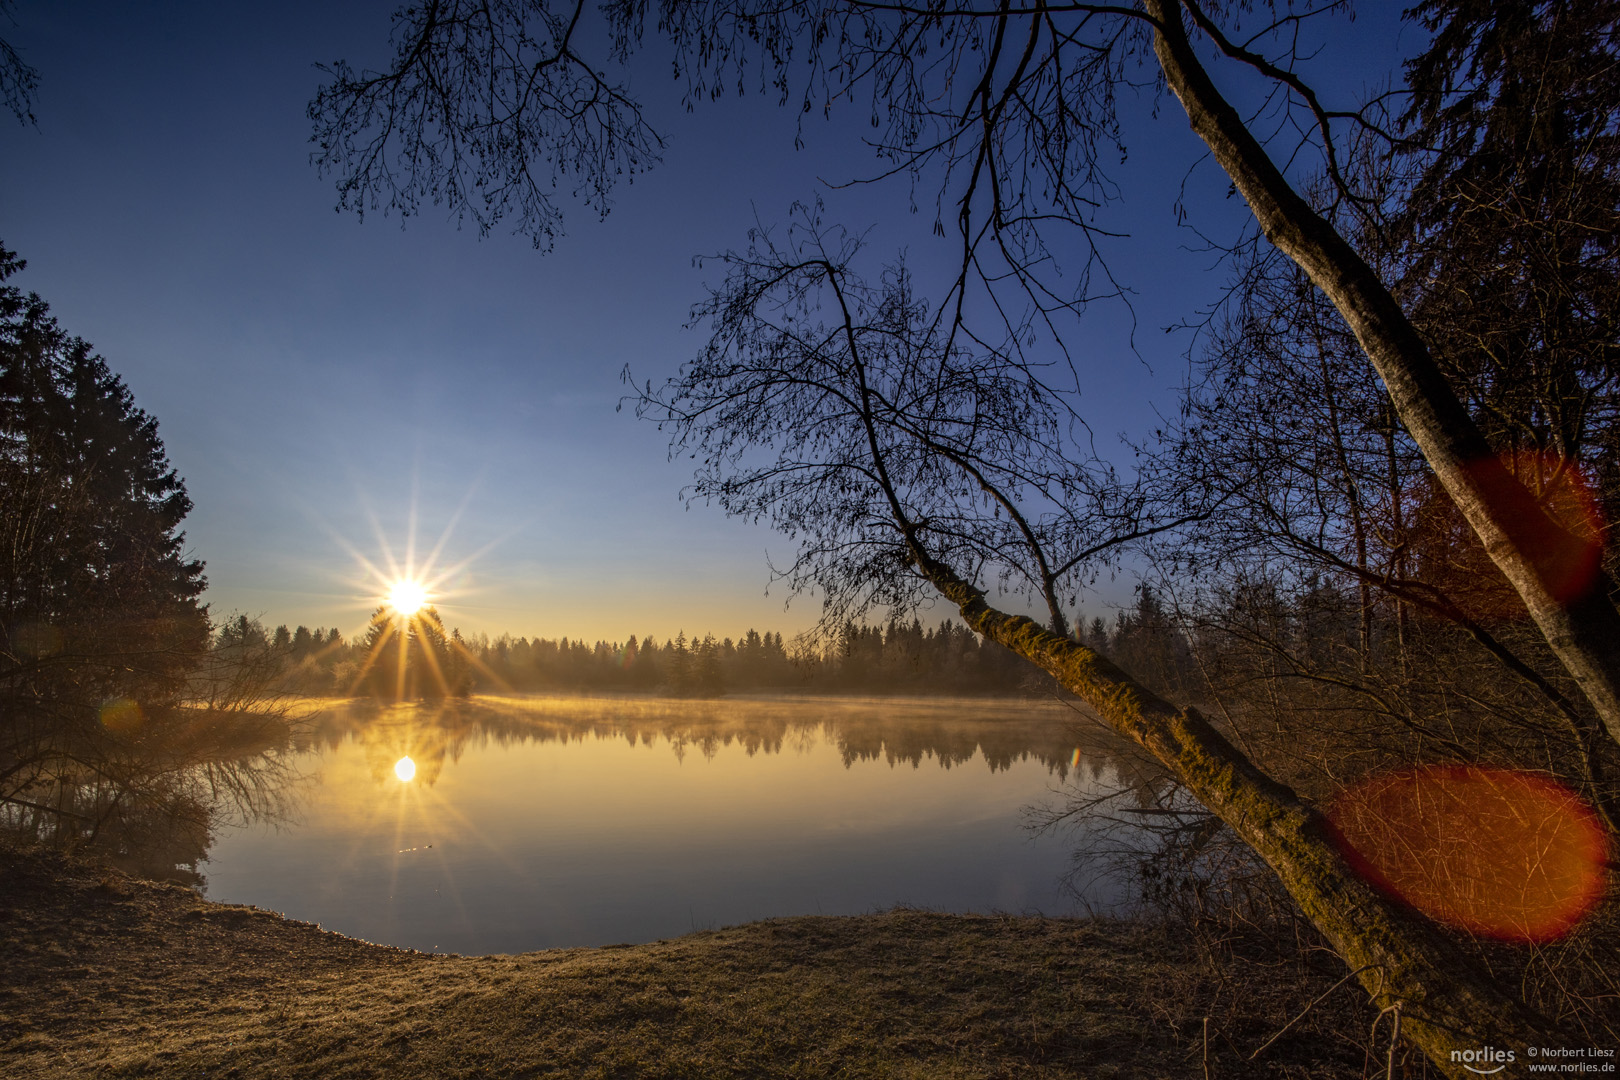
[(1521, 539), (1447, 1001)]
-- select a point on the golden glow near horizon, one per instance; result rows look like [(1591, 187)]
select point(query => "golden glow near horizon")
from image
[(405, 769), (406, 597)]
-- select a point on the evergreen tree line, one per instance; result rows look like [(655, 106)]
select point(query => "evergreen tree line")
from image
[(900, 657)]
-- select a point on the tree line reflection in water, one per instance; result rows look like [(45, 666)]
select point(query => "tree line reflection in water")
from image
[(945, 733), (268, 785), (534, 821)]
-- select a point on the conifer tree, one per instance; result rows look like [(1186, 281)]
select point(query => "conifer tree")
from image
[(708, 680), (101, 631), (678, 663)]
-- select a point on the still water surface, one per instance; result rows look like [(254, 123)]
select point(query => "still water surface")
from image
[(539, 822)]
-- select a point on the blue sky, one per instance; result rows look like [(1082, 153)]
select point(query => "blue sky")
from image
[(329, 388)]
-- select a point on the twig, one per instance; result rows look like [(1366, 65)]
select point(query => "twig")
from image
[(14, 800), (1394, 1038), (1394, 1041), (1308, 1008)]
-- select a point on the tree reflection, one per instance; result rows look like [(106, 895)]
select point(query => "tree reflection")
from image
[(426, 734), (156, 819), (896, 732), (167, 834)]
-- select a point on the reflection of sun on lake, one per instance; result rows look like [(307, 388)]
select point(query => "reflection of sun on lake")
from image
[(524, 823)]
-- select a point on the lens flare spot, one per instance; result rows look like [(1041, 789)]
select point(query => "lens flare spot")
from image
[(405, 769), (1509, 855), (406, 597), (1569, 542), (1565, 538), (121, 716)]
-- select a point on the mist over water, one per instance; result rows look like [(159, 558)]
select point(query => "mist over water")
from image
[(538, 822)]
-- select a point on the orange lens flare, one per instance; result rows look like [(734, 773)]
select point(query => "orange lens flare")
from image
[(122, 716), (1565, 539), (1509, 855), (1568, 541)]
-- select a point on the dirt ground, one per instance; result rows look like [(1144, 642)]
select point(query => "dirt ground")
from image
[(102, 975)]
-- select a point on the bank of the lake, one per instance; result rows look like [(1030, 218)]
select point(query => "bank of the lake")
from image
[(101, 975)]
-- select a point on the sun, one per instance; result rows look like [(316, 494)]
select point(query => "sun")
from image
[(406, 597)]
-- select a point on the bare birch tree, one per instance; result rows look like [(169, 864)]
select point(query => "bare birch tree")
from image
[(850, 406)]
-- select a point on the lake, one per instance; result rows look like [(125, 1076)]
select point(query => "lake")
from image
[(524, 823)]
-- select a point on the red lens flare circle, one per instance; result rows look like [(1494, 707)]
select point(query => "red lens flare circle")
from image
[(1568, 541), (1565, 538)]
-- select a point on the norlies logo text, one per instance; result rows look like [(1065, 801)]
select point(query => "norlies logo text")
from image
[(1485, 1055)]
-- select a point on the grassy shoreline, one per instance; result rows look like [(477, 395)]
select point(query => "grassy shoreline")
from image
[(103, 975)]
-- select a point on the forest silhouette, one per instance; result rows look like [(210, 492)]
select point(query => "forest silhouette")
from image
[(899, 657)]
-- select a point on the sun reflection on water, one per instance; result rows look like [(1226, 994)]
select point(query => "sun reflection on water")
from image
[(529, 822)]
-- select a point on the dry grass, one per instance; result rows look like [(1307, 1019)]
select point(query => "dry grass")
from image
[(101, 975)]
